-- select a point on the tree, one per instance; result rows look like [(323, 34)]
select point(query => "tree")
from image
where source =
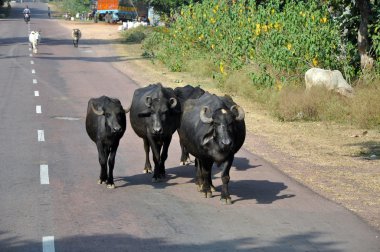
[(359, 19), (166, 6)]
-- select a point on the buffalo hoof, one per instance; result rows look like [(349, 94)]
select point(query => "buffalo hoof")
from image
[(111, 186), (208, 194), (226, 201), (147, 171), (213, 188)]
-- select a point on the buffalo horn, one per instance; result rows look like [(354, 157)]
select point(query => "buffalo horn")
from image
[(236, 109), (203, 116), (173, 102), (96, 111)]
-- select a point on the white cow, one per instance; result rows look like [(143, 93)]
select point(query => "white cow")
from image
[(332, 80), (34, 39)]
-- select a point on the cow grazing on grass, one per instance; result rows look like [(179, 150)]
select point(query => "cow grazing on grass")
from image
[(34, 40), (183, 94), (154, 116), (332, 80), (212, 129), (76, 35), (105, 125)]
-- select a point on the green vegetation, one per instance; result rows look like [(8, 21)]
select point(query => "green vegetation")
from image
[(262, 50), (4, 10), (73, 6)]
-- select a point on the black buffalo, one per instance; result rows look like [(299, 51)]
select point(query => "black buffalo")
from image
[(212, 129), (183, 94), (105, 125), (154, 116)]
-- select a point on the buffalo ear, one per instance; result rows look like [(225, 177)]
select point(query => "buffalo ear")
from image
[(148, 101), (173, 102), (208, 136)]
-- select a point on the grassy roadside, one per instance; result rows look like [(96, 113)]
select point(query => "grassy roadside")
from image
[(335, 160), (339, 161)]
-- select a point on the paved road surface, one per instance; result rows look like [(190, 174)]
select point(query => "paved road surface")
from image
[(69, 211)]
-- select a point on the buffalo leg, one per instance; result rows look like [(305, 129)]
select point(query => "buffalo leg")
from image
[(225, 195), (111, 164), (156, 149), (148, 166), (198, 175), (185, 157), (164, 156), (103, 153), (206, 166)]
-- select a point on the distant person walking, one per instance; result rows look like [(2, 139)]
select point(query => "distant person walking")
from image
[(49, 12)]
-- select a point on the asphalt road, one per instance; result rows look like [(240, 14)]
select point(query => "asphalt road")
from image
[(66, 210)]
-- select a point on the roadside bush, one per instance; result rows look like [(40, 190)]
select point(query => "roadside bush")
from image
[(262, 51), (135, 35)]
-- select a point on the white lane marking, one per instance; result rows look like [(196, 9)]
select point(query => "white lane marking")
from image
[(34, 81), (33, 71), (32, 62), (36, 93), (31, 55), (30, 49), (44, 174), (48, 244), (38, 109), (41, 136)]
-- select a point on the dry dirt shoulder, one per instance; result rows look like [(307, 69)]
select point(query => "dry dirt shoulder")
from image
[(337, 161)]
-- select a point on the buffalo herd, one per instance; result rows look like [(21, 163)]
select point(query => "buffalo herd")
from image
[(211, 128)]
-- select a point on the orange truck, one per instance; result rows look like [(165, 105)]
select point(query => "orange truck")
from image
[(120, 10)]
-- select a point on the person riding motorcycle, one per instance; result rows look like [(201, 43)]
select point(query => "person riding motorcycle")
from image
[(26, 13)]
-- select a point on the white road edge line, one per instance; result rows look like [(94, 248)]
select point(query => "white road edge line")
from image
[(48, 244), (38, 109), (36, 93), (34, 81), (44, 174), (41, 136)]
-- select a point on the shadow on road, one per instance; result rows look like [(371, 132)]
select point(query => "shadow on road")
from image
[(311, 241)]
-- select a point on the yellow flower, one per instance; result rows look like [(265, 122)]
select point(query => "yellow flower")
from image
[(215, 8), (278, 86), (213, 21), (221, 67), (265, 28), (212, 46), (315, 61), (312, 17), (272, 11), (323, 20), (289, 46), (201, 37), (276, 26)]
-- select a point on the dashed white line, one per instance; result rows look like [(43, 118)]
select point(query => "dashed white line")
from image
[(48, 244), (33, 71), (34, 81), (41, 136), (38, 109), (30, 49), (32, 62), (31, 55), (44, 174), (36, 93)]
